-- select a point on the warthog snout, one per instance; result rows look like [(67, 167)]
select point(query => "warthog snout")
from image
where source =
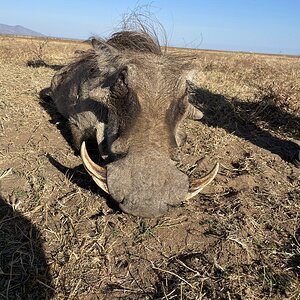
[(146, 185)]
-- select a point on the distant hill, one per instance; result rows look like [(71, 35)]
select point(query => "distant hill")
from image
[(17, 30)]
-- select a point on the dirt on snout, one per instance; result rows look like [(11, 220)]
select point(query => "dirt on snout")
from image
[(60, 238)]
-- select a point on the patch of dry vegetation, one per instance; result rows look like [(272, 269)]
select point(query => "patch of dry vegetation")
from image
[(239, 239)]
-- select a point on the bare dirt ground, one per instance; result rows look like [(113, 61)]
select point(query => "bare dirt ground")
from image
[(239, 239)]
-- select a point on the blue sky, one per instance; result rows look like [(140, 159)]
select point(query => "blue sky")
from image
[(270, 26)]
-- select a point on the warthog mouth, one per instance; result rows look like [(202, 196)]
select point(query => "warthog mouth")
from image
[(188, 188)]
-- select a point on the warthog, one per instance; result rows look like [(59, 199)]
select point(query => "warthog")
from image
[(130, 96)]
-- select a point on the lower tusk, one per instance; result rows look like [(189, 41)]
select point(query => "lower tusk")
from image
[(97, 172), (102, 184), (197, 185)]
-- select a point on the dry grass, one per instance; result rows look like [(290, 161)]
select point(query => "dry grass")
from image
[(240, 239)]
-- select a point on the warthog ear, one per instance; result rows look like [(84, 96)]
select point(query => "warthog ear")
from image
[(190, 87), (193, 112)]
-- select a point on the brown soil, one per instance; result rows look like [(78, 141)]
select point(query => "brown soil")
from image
[(239, 239)]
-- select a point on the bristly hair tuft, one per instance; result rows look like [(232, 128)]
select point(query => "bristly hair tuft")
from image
[(141, 19)]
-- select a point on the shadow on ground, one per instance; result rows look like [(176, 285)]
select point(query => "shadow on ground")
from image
[(79, 176), (24, 272), (235, 118)]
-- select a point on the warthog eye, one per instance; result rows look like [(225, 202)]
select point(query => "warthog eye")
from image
[(120, 88), (92, 70)]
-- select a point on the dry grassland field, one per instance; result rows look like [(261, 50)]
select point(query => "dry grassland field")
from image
[(60, 238)]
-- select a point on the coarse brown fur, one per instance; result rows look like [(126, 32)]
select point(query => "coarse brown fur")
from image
[(131, 97)]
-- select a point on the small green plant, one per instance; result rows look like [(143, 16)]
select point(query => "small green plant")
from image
[(146, 230)]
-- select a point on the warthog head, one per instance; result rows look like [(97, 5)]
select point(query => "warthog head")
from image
[(131, 97), (148, 98)]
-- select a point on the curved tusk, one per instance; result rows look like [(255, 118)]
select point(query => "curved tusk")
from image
[(98, 173), (197, 185)]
